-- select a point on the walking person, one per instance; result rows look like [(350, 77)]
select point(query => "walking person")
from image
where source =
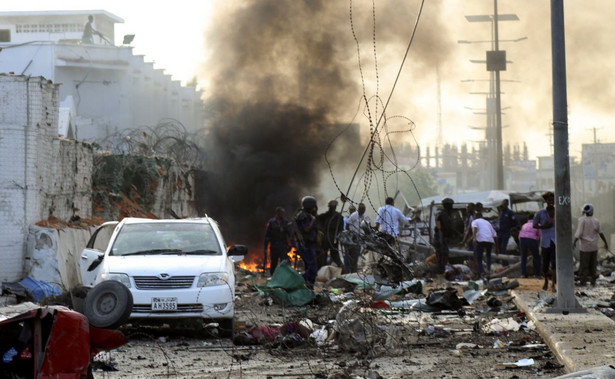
[(277, 239), (544, 220), (484, 238), (529, 241), (588, 231)]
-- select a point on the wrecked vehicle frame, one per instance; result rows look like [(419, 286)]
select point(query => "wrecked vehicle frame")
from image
[(50, 342), (420, 240)]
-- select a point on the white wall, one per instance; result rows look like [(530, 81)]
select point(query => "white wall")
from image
[(40, 175), (28, 120)]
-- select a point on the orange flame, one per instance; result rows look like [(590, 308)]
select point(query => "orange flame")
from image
[(292, 255), (251, 266), (255, 264)]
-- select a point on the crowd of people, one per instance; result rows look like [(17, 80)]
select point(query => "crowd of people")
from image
[(535, 239), (316, 237)]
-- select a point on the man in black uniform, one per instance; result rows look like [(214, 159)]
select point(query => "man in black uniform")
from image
[(276, 236), (304, 238), (443, 232), (331, 223)]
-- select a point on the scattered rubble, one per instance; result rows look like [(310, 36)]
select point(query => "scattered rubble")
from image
[(357, 326)]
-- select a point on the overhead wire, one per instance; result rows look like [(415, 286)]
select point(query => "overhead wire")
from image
[(374, 137)]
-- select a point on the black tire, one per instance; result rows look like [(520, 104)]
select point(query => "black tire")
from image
[(226, 328), (108, 305)]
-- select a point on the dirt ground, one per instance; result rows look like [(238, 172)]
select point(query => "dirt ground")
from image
[(394, 343)]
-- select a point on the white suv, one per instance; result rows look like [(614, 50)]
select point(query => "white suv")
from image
[(174, 269)]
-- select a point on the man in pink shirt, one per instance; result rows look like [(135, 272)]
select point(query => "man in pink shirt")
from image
[(588, 231), (529, 240)]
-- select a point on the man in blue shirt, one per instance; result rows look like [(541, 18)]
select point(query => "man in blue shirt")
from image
[(544, 220)]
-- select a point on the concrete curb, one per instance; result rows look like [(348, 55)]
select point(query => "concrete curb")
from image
[(580, 341)]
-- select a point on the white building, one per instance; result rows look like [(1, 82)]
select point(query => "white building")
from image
[(103, 88), (598, 168), (545, 176)]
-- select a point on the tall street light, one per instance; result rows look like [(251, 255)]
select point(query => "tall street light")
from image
[(496, 62)]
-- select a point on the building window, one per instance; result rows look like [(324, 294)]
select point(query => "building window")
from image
[(48, 28), (5, 35)]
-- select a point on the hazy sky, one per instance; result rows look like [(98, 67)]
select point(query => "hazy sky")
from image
[(180, 37)]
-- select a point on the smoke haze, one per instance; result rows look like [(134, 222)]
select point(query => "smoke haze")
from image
[(284, 77)]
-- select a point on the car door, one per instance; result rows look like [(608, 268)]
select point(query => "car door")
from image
[(94, 253)]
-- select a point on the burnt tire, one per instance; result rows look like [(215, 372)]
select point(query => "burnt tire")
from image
[(108, 305)]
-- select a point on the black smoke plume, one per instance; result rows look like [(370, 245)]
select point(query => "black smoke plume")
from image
[(283, 83), (277, 80)]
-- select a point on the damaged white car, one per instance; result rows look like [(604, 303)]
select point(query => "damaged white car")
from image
[(174, 269)]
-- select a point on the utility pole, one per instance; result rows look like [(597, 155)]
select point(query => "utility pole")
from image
[(496, 62), (566, 302), (498, 101)]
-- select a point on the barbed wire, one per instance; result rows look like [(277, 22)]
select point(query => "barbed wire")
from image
[(169, 138)]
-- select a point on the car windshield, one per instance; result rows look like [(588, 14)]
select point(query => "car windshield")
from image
[(166, 238)]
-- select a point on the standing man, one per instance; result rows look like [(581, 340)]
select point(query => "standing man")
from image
[(276, 237), (331, 223), (89, 32), (352, 253), (443, 233), (305, 238), (484, 238), (544, 220), (588, 231), (389, 219), (506, 222), (467, 225), (351, 209)]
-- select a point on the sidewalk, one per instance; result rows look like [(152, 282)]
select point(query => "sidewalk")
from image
[(580, 341)]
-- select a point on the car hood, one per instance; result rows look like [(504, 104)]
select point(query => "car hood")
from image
[(169, 264)]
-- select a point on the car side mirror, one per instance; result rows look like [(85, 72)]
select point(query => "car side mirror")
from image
[(96, 262), (238, 250)]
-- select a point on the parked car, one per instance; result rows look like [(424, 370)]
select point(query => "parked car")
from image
[(175, 269)]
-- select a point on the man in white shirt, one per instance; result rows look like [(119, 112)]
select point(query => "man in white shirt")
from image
[(353, 252), (484, 238), (389, 219)]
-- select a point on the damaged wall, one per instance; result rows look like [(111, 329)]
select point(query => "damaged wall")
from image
[(140, 186), (40, 175), (69, 192)]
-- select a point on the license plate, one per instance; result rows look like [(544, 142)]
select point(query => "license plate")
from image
[(164, 303)]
